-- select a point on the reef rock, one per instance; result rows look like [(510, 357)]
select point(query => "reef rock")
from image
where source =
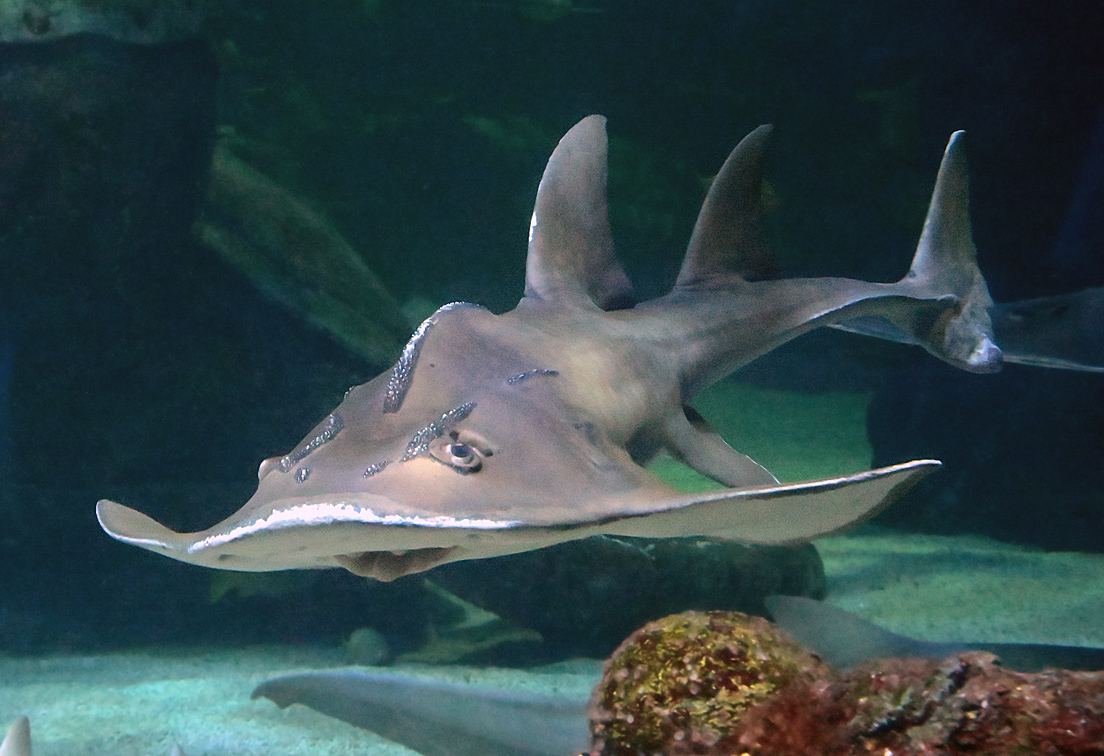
[(585, 597), (296, 257), (140, 22), (684, 683), (724, 683)]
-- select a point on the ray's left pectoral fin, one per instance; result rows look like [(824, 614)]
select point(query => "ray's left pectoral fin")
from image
[(693, 441), (778, 514)]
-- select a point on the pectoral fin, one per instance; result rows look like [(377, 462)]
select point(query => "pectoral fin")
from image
[(779, 514)]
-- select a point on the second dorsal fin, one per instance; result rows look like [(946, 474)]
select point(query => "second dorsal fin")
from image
[(728, 243)]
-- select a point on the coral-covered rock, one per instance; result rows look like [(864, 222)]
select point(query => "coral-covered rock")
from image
[(966, 704), (724, 683), (681, 684), (565, 592)]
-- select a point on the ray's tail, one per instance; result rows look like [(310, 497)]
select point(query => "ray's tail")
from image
[(942, 304)]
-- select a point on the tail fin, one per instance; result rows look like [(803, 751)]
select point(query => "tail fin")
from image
[(945, 265)]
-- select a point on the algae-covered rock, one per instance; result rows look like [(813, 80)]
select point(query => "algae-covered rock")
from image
[(682, 683), (963, 704), (585, 597), (723, 683)]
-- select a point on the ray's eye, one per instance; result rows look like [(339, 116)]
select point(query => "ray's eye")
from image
[(462, 455), (463, 458)]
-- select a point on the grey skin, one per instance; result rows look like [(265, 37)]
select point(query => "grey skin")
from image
[(496, 434), (439, 717), (845, 640), (1064, 332), (17, 741)]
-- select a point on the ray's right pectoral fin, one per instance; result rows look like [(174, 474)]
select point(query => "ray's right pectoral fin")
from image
[(693, 441), (131, 526), (779, 514)]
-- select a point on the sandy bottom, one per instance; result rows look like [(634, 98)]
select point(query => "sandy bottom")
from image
[(967, 588), (141, 703)]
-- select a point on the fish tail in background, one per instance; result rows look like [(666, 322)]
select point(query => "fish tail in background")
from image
[(1079, 251), (17, 742), (942, 304)]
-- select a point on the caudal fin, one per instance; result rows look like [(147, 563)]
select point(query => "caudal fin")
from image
[(945, 266)]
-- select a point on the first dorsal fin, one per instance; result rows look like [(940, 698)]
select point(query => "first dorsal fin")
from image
[(728, 243), (571, 257)]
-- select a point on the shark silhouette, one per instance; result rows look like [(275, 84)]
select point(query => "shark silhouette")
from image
[(496, 434)]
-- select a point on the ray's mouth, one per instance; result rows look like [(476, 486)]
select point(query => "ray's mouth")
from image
[(389, 565)]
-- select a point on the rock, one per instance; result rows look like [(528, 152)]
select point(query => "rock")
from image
[(1020, 452), (585, 597), (295, 256), (141, 22), (725, 683), (680, 684), (366, 646), (908, 707)]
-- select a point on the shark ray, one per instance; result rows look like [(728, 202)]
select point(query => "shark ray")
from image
[(496, 434), (1063, 331), (440, 717)]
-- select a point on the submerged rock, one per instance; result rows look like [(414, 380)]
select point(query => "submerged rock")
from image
[(963, 704), (725, 683), (585, 597), (295, 256), (683, 683), (142, 22)]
